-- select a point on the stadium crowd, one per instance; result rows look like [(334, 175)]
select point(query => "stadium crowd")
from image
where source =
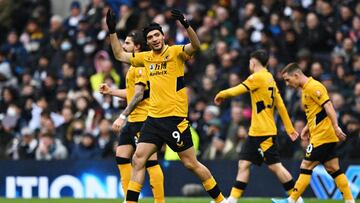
[(51, 68)]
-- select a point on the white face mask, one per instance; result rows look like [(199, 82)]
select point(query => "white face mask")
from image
[(81, 41), (65, 46), (89, 48), (11, 111), (101, 35)]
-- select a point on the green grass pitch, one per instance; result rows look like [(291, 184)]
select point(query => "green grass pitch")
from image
[(149, 200)]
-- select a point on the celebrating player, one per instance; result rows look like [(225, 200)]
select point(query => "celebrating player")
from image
[(137, 97), (168, 105)]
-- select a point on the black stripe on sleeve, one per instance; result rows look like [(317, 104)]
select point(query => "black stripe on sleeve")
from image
[(246, 86), (325, 102)]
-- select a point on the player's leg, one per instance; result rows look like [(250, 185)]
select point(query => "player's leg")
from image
[(242, 179), (123, 155), (302, 182), (333, 168), (156, 178), (190, 161), (249, 155), (124, 152), (283, 175), (272, 159), (142, 153)]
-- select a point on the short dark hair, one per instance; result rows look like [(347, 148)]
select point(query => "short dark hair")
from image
[(152, 26), (291, 68), (138, 39), (261, 56)]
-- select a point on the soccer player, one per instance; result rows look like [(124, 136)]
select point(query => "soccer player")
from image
[(137, 97), (261, 145), (323, 131), (168, 106)]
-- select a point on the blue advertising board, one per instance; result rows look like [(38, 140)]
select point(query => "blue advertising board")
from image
[(100, 179)]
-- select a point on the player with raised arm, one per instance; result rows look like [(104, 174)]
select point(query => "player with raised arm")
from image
[(132, 118), (322, 130), (261, 145), (168, 106)]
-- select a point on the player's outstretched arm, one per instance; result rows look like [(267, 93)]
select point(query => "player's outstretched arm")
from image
[(106, 90), (280, 106), (330, 111), (116, 46), (231, 92), (194, 40)]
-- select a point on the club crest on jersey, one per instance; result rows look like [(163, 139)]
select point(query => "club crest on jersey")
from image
[(152, 67), (166, 58), (318, 94)]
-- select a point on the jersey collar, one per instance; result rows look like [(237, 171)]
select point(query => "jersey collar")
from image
[(307, 82), (164, 50)]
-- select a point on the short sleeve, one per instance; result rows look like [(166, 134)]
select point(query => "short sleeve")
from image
[(140, 76), (180, 51), (319, 94), (137, 59), (252, 82)]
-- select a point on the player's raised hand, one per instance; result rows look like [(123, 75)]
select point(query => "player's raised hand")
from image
[(340, 134), (293, 136), (218, 99), (111, 21), (118, 125), (177, 14), (104, 89)]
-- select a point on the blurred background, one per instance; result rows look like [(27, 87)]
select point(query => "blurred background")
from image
[(57, 126)]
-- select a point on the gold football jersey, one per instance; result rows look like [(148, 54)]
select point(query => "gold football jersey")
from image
[(166, 75), (137, 75), (314, 96)]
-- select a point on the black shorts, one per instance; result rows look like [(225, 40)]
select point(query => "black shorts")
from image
[(174, 131), (322, 153), (130, 133), (260, 149)]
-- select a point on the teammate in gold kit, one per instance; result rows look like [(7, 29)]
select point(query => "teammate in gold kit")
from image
[(168, 104), (323, 131), (261, 146), (137, 97)]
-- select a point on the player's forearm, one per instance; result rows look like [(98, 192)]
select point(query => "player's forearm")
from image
[(134, 101), (280, 106), (121, 93), (234, 91), (330, 111), (194, 40), (116, 47)]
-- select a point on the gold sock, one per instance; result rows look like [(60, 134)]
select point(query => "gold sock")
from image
[(289, 186), (133, 192), (156, 180), (343, 184), (301, 184), (124, 167), (213, 190), (238, 189)]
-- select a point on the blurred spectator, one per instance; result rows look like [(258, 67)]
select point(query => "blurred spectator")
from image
[(86, 149), (105, 139), (72, 21), (24, 146), (50, 148)]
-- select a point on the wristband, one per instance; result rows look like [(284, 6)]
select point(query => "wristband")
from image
[(122, 116)]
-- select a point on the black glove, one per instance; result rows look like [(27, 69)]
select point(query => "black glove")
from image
[(176, 14), (111, 21)]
